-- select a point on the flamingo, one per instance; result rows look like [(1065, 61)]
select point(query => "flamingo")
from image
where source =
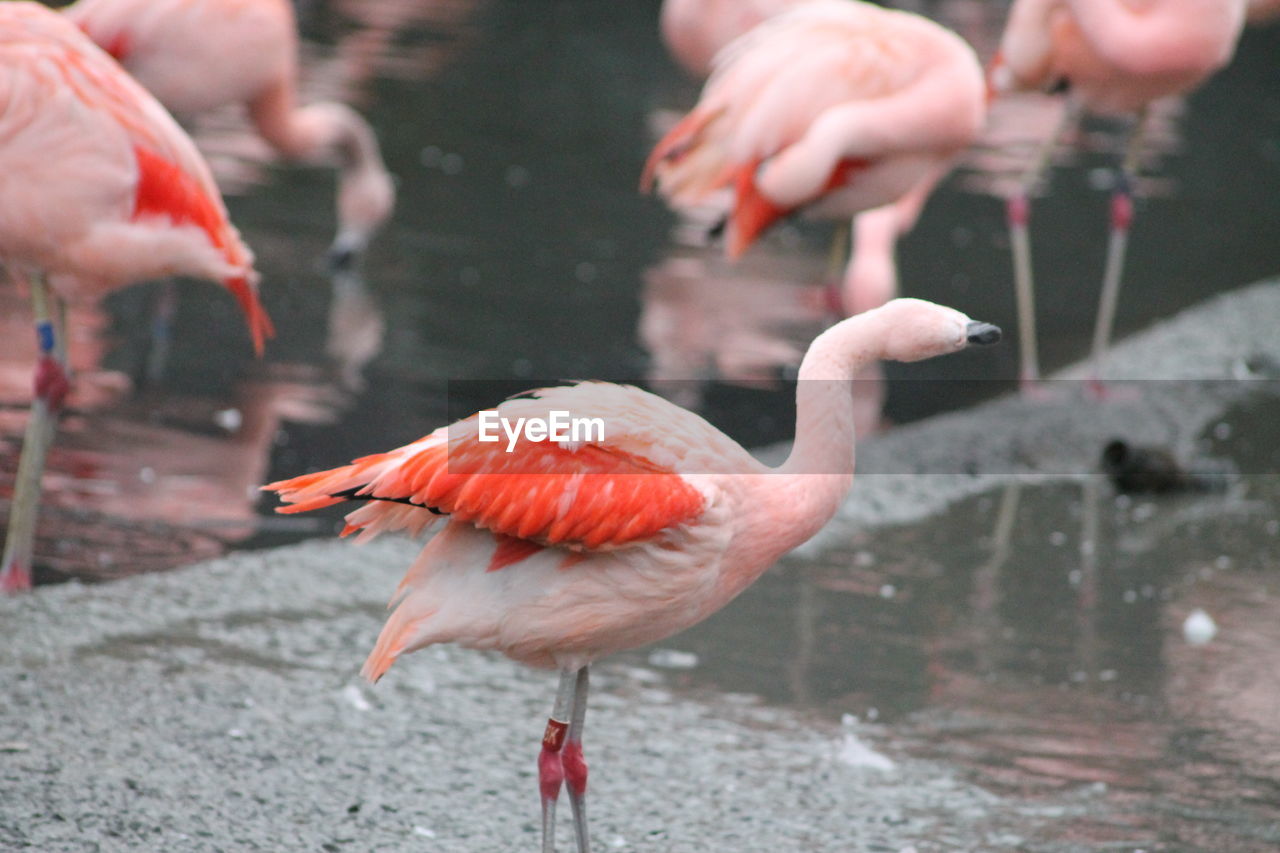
[(835, 107), (559, 553), (196, 55), (1115, 57), (99, 188)]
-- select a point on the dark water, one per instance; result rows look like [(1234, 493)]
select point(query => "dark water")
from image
[(521, 250), (1034, 637)]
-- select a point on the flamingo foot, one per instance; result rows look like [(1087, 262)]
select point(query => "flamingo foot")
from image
[(15, 577), (1100, 392), (1033, 388)]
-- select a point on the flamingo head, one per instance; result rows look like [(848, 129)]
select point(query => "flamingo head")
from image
[(916, 330)]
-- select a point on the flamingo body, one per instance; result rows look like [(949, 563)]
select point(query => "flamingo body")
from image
[(99, 187), (619, 541), (597, 520), (835, 107), (197, 55), (1118, 55)]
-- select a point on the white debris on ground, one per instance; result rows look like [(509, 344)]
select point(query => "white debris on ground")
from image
[(854, 753), (672, 659), (1199, 628), (355, 697)]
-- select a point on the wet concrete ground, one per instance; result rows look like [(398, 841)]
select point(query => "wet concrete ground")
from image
[(218, 708)]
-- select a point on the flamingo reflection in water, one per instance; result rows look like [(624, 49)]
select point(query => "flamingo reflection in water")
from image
[(99, 188)]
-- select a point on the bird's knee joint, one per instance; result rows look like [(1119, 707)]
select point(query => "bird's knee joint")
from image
[(575, 768)]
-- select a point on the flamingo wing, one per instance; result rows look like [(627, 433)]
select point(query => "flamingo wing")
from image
[(104, 110), (609, 491)]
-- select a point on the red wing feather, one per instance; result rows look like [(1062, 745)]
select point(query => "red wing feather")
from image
[(165, 190), (675, 143), (592, 497)]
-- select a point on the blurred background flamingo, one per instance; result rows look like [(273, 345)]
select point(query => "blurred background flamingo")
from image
[(180, 49), (99, 188), (1113, 60), (833, 108)]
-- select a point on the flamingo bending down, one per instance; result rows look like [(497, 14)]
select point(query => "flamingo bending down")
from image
[(195, 55), (834, 107), (99, 188), (557, 554), (1115, 57)]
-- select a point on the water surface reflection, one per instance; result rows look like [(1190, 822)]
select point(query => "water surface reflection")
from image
[(521, 248), (1034, 636)]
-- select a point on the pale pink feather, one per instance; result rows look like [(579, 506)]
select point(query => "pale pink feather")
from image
[(1118, 57), (78, 172)]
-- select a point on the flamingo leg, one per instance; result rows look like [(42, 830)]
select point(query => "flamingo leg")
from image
[(1018, 217), (163, 311), (1121, 222), (550, 760), (575, 766), (50, 390), (838, 258)]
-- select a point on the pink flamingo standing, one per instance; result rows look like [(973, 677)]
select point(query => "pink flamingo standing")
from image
[(196, 55), (99, 188), (557, 553), (1115, 57), (834, 108)]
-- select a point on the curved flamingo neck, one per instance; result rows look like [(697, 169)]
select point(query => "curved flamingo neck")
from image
[(330, 130), (809, 486), (315, 130), (824, 395)]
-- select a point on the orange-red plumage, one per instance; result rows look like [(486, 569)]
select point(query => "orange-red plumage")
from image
[(165, 190), (590, 497), (511, 550)]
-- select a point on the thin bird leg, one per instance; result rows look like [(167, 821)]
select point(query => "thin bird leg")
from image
[(1121, 221), (163, 310), (59, 320), (50, 391), (550, 764), (575, 766), (1018, 217), (837, 259)]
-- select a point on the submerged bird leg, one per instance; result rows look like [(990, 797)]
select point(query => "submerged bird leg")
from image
[(550, 760), (163, 310), (1018, 217), (575, 766), (50, 391), (838, 258), (1121, 221)]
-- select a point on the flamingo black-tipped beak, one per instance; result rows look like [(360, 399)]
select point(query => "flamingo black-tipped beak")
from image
[(346, 251), (982, 334)]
